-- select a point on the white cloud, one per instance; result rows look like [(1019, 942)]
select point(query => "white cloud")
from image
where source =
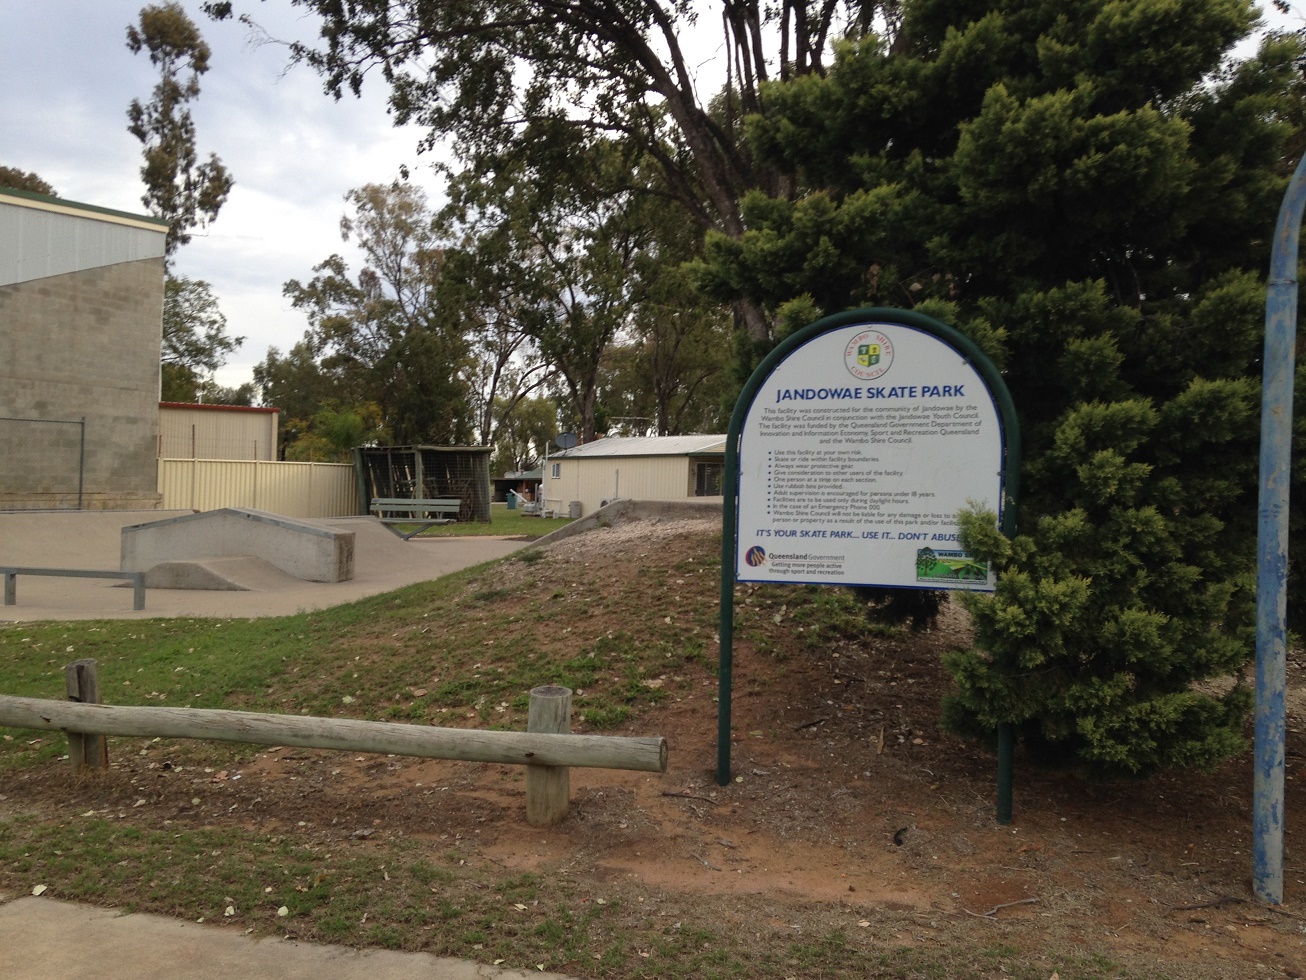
[(68, 79), (294, 152)]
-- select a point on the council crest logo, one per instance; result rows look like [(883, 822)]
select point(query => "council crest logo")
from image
[(869, 355)]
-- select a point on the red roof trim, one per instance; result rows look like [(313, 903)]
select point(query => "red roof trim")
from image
[(218, 408)]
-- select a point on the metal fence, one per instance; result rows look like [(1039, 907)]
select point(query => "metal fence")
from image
[(217, 432), (42, 463), (288, 489), (428, 472), (43, 467)]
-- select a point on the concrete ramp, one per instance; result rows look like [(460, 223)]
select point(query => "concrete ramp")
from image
[(305, 551), (382, 561), (242, 574), (373, 538)]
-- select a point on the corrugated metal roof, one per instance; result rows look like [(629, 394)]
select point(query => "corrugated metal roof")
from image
[(646, 446), (61, 205), (428, 449), (46, 236)]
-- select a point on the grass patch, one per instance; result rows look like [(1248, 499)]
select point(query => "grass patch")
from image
[(388, 896), (463, 650), (512, 523)]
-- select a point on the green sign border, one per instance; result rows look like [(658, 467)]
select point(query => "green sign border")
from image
[(992, 379)]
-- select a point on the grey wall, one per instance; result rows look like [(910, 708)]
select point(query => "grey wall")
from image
[(82, 343)]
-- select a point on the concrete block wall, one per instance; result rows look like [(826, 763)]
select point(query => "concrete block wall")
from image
[(81, 344)]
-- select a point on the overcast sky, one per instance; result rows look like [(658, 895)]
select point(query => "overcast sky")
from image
[(67, 79)]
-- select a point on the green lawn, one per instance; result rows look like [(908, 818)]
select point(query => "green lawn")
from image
[(162, 835), (502, 522)]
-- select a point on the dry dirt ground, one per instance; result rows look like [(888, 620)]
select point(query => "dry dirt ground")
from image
[(850, 803)]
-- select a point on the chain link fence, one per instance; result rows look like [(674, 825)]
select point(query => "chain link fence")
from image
[(42, 463)]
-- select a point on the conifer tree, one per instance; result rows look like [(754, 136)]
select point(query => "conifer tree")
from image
[(1087, 190)]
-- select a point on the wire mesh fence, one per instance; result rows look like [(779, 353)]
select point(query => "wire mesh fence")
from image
[(42, 463), (425, 472)]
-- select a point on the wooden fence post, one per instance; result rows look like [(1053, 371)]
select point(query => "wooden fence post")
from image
[(83, 685), (548, 788)]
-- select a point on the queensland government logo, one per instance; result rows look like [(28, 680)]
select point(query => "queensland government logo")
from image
[(755, 556), (869, 355)]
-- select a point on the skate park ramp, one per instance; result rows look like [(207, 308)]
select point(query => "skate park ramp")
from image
[(299, 548), (382, 562), (237, 574)]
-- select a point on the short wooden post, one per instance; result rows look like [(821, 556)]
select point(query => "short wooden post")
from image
[(548, 788), (83, 685)]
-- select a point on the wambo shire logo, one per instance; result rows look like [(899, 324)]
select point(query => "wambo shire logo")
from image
[(869, 355)]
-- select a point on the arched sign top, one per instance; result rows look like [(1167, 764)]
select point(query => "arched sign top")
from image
[(856, 443), (851, 451)]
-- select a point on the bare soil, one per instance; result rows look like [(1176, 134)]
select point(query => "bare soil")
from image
[(848, 809)]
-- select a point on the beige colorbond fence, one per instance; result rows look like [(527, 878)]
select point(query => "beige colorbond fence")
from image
[(288, 489), (217, 432)]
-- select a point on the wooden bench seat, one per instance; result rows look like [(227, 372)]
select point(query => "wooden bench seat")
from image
[(426, 512)]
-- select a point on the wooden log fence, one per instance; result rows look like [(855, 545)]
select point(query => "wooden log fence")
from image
[(83, 686), (547, 753), (548, 788)]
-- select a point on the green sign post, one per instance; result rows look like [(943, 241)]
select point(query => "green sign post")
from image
[(851, 451)]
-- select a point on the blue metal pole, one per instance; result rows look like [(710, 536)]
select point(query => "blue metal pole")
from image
[(1272, 545)]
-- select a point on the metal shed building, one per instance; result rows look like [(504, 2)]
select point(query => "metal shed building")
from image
[(217, 431), (427, 472), (635, 468)]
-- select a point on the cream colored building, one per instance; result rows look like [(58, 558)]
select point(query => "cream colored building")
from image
[(634, 468), (217, 432), (215, 456)]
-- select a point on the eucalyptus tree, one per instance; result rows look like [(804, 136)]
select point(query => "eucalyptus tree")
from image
[(25, 180), (558, 250), (487, 74), (178, 187), (524, 434), (480, 296), (195, 340), (379, 331), (668, 372), (679, 340), (183, 191), (303, 389)]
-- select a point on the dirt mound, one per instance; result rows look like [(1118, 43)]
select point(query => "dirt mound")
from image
[(849, 810)]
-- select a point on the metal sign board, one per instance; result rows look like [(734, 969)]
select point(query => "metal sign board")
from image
[(858, 451), (852, 450)]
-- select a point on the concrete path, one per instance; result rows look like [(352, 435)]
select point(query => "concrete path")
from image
[(382, 562), (43, 939)]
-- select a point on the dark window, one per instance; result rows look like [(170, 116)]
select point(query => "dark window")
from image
[(707, 479)]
